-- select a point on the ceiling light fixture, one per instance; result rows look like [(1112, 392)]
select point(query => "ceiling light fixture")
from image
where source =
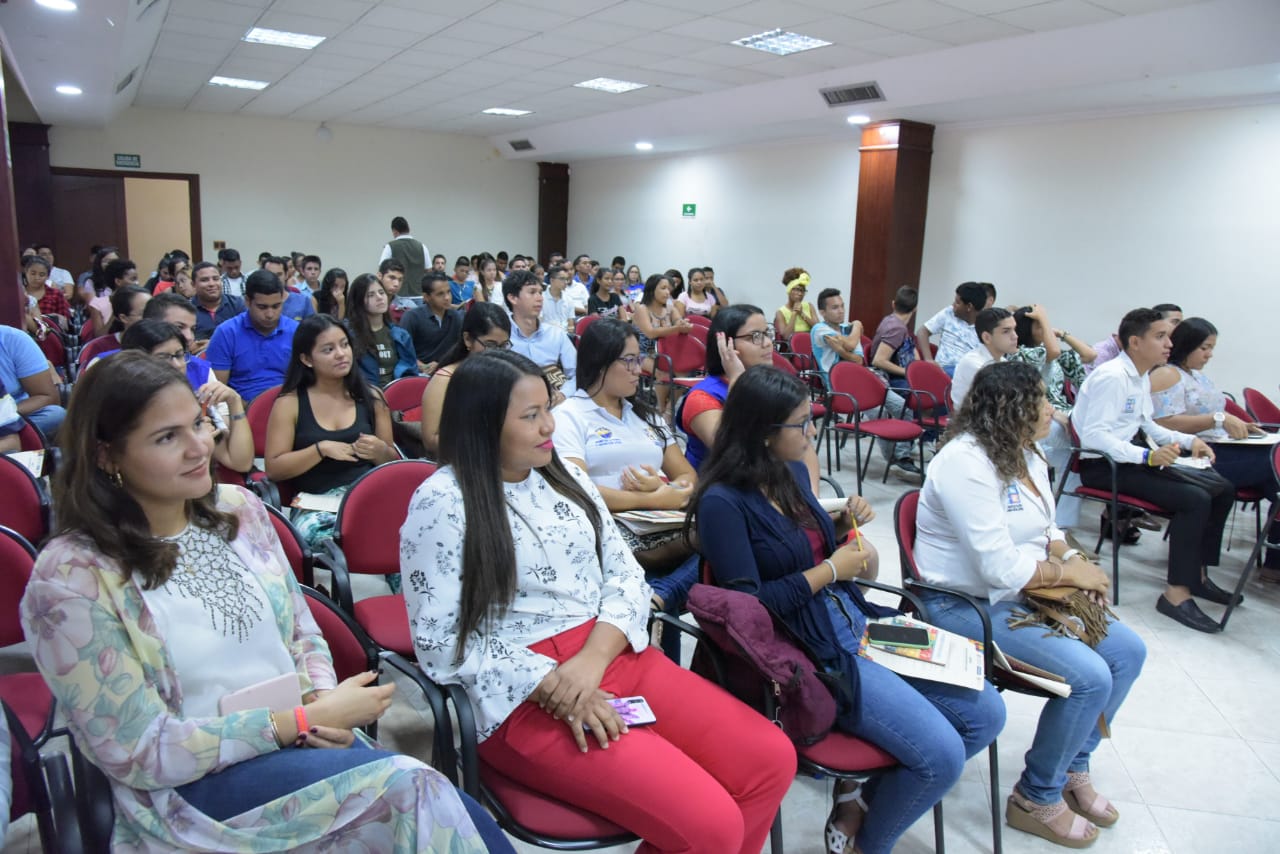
[(780, 42), (504, 111), (238, 83), (858, 120), (282, 38), (68, 89), (644, 146), (58, 5), (608, 84)]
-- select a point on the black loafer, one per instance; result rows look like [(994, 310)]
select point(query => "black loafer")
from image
[(1189, 614), (907, 465), (1213, 593), (1128, 535)]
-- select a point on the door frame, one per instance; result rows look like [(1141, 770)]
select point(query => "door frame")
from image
[(193, 195)]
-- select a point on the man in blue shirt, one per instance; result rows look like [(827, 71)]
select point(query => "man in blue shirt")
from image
[(297, 304), (829, 345), (213, 305), (251, 351), (25, 374), (548, 346)]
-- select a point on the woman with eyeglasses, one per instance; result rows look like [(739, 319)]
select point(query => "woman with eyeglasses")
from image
[(622, 444), (756, 521), (485, 326), (233, 439), (739, 338)]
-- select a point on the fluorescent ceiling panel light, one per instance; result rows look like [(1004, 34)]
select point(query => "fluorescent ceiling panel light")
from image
[(67, 89), (858, 120), (780, 42), (644, 146), (608, 84), (58, 5), (261, 35), (503, 111), (238, 83)]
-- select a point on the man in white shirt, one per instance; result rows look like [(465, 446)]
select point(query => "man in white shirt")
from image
[(410, 252), (229, 265), (579, 290), (998, 332), (557, 310), (1112, 408), (953, 327), (548, 346)]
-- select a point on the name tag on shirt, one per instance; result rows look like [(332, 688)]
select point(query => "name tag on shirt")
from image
[(1130, 404), (1013, 499)]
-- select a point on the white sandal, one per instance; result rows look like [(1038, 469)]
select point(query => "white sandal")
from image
[(839, 842)]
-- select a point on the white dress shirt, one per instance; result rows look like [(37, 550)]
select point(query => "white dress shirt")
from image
[(560, 585), (577, 294), (977, 534), (1112, 405), (966, 369)]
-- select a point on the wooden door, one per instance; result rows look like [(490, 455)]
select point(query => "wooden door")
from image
[(87, 210)]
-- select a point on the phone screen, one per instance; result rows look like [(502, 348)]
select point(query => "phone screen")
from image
[(886, 634)]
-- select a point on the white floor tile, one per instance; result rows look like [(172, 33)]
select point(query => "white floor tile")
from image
[(1193, 832)]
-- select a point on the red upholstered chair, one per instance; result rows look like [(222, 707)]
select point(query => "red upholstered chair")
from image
[(1262, 409), (583, 322), (25, 508), (301, 560), (405, 393), (801, 345), (366, 541), (33, 439), (699, 320), (818, 393), (683, 358), (259, 413), (930, 394), (1115, 501), (1255, 558), (854, 391)]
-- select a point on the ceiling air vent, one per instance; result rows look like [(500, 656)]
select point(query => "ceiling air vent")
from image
[(858, 93), (128, 78), (520, 144)]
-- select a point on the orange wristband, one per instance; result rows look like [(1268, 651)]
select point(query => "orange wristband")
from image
[(300, 718)]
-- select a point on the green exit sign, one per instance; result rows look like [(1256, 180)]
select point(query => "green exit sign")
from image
[(688, 209), (128, 161)]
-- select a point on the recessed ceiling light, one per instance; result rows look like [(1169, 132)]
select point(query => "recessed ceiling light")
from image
[(238, 83), (261, 35), (858, 120), (780, 42), (67, 89), (644, 146), (608, 84), (58, 5), (504, 111)]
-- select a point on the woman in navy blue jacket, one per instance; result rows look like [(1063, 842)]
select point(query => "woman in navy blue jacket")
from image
[(761, 528), (383, 350)]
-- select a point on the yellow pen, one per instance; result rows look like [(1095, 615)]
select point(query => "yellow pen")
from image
[(857, 537)]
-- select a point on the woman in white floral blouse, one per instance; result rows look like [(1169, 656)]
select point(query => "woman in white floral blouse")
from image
[(521, 590)]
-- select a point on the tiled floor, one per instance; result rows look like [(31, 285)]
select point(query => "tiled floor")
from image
[(1193, 764)]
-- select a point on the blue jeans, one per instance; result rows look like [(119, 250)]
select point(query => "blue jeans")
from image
[(929, 727), (1100, 679)]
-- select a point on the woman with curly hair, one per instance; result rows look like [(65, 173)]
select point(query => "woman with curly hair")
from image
[(797, 315), (986, 528)]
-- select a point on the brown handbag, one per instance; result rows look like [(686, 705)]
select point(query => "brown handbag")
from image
[(1064, 610)]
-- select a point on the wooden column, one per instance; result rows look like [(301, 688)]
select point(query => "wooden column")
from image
[(13, 298), (893, 198), (553, 209), (33, 185)]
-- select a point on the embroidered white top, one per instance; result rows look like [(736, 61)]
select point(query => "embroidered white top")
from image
[(560, 584), (976, 534)]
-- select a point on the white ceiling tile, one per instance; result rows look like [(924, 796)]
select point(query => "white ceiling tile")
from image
[(705, 7), (741, 76), (849, 7), (557, 45), (987, 7), (599, 32), (839, 56), (205, 30), (556, 76), (227, 13), (774, 14), (338, 62), (907, 16), (222, 99), (972, 31), (347, 11), (903, 44), (846, 30), (629, 56), (492, 35), (160, 70), (342, 47), (294, 23), (161, 101), (713, 30), (373, 113), (730, 55), (1141, 7), (570, 7), (1056, 14), (423, 23), (782, 66), (362, 32), (702, 84), (523, 17), (644, 16), (670, 44)]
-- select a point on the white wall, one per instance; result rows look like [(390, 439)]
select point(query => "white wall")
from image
[(760, 211), (270, 184), (1091, 218)]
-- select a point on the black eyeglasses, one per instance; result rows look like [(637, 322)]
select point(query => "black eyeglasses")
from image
[(495, 345), (758, 338), (802, 425)]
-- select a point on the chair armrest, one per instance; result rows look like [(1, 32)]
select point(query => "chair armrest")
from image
[(443, 757), (329, 556), (95, 807), (901, 592), (853, 403), (714, 652), (972, 603), (61, 794), (467, 742), (830, 481)]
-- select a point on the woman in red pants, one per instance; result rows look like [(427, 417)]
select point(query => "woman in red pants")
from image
[(520, 589)]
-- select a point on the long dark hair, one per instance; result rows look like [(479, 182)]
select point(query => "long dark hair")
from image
[(1002, 412), (300, 375), (676, 278), (481, 319), (1187, 341), (728, 320), (149, 333), (651, 288), (761, 399), (601, 345), (325, 302), (358, 318), (104, 412), (121, 303), (471, 421), (98, 270)]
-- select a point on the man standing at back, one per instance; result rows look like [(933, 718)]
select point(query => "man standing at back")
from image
[(250, 352), (410, 252)]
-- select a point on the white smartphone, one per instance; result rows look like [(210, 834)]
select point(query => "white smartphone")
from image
[(634, 711), (278, 692)]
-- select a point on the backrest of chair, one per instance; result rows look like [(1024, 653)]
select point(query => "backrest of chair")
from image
[(1233, 408), (17, 557), (405, 393), (783, 364), (699, 330), (859, 382), (347, 642), (686, 352), (258, 414), (25, 508), (904, 527), (699, 320), (928, 376), (583, 322), (801, 344), (296, 551), (1275, 461), (372, 511), (31, 437), (867, 355), (1261, 407)]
